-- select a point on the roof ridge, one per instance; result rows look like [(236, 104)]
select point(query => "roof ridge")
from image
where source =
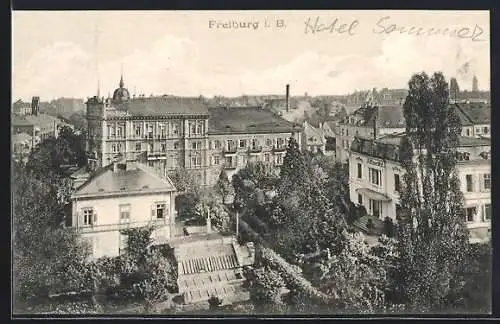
[(153, 173), (98, 173)]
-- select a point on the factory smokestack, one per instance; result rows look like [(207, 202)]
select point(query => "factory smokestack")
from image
[(287, 98), (35, 106)]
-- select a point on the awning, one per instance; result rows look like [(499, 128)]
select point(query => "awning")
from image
[(371, 194)]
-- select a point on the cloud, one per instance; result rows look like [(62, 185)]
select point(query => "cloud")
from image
[(174, 65)]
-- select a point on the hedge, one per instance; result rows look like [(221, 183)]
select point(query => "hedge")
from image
[(289, 272)]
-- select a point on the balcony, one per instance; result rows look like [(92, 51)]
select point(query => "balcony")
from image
[(281, 148), (156, 155), (120, 226), (231, 166), (230, 150), (255, 149)]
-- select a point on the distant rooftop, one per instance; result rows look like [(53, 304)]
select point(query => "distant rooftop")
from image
[(165, 105), (248, 120)]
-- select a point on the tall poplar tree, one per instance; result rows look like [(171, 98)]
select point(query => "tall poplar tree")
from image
[(433, 237)]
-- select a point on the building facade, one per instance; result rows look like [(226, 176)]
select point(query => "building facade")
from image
[(238, 135), (368, 121), (124, 194), (170, 132), (313, 139), (375, 177)]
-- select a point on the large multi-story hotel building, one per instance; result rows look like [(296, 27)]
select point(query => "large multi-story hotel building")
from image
[(170, 132), (375, 175)]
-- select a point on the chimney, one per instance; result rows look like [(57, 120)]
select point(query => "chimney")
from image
[(287, 98), (35, 106)]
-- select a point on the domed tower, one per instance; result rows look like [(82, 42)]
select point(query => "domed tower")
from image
[(121, 94)]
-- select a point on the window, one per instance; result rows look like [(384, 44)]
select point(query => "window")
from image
[(175, 129), (216, 160), (112, 131), (159, 211), (375, 176), (269, 142), (199, 129), (230, 145), (229, 161), (343, 132), (243, 143), (151, 164), (138, 146), (478, 130), (375, 207), (487, 181), (485, 130), (467, 132), (196, 145), (468, 180), (119, 132), (113, 148), (217, 144), (137, 130), (150, 131), (397, 183), (469, 214), (125, 212), (123, 243), (243, 160), (360, 171), (255, 143), (347, 132), (279, 159), (163, 147), (280, 143), (196, 160), (360, 199), (487, 212), (89, 217), (163, 131), (267, 157), (150, 147), (193, 128), (176, 145)]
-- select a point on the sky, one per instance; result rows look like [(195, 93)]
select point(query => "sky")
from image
[(73, 53)]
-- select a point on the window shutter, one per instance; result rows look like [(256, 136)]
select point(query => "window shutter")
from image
[(95, 219), (153, 211)]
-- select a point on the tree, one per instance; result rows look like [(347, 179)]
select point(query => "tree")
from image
[(433, 237), (42, 248), (454, 89), (247, 181), (355, 277), (266, 290), (52, 154), (223, 186), (209, 206)]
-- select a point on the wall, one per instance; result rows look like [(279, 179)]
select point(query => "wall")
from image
[(105, 230)]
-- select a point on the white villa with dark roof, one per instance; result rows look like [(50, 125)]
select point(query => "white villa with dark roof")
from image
[(124, 194), (375, 175)]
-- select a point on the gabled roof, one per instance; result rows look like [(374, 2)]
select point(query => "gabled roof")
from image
[(166, 105), (474, 113), (140, 179), (249, 120), (313, 135)]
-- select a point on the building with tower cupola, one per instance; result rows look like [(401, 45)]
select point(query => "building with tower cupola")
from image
[(168, 132)]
